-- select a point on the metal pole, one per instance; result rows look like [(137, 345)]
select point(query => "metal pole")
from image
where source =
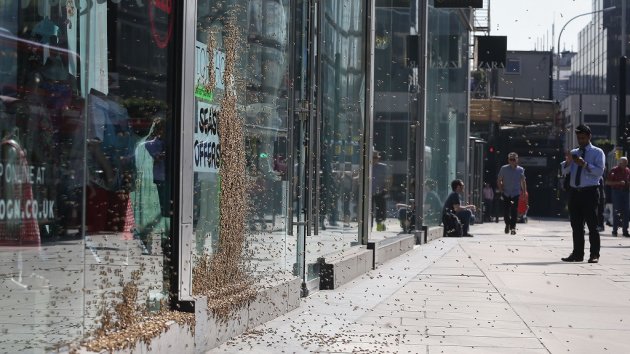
[(624, 37), (365, 226), (423, 31), (622, 130)]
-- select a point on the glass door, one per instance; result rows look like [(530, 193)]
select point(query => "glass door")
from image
[(328, 106), (302, 157)]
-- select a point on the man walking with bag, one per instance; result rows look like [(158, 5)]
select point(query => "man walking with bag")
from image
[(511, 183), (586, 165), (619, 181)]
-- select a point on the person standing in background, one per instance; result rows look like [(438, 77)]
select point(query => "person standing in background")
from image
[(380, 187), (586, 165), (511, 183), (488, 198), (619, 181)]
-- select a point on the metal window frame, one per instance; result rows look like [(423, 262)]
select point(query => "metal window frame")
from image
[(423, 32), (367, 145), (507, 66), (185, 190)]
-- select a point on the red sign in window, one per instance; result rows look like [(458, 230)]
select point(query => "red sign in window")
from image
[(163, 8)]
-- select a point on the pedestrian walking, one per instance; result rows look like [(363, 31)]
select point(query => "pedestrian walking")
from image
[(619, 182), (381, 183), (586, 165), (488, 198), (511, 183), (454, 205)]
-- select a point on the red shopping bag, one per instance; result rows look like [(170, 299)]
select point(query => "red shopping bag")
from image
[(523, 204)]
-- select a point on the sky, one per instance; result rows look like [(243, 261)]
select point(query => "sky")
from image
[(527, 22)]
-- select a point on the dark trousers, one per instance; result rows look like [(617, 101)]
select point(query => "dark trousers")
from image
[(583, 209), (510, 211), (621, 206), (487, 209), (601, 205), (379, 206), (464, 217)]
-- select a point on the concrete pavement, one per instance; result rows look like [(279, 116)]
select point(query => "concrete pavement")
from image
[(493, 293)]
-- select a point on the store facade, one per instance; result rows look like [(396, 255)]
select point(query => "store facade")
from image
[(145, 155), (438, 153), (447, 111)]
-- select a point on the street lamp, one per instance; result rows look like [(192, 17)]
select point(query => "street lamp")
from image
[(560, 36)]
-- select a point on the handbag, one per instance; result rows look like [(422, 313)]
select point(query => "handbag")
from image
[(452, 225)]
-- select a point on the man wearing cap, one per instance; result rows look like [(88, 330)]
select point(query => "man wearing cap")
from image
[(586, 166), (619, 181)]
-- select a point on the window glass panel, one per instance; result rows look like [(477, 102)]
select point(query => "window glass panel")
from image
[(595, 118), (446, 127), (241, 233), (342, 114), (87, 124), (513, 66)]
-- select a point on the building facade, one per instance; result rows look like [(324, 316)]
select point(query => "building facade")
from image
[(562, 75), (527, 74), (200, 151), (594, 82), (590, 66)]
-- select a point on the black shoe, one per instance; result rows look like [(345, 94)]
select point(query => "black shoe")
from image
[(593, 259), (615, 234), (513, 232), (467, 235), (507, 229), (626, 234), (573, 258)]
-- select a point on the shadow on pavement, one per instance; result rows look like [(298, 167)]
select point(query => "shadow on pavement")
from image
[(534, 263)]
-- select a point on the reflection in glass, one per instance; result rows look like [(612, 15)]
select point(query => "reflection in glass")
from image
[(342, 65), (85, 191), (261, 91), (394, 100), (446, 138)]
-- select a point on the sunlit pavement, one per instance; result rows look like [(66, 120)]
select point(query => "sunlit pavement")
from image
[(493, 293)]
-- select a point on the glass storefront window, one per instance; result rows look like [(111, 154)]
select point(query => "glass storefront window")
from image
[(86, 150), (341, 60), (394, 107), (447, 107), (257, 33)]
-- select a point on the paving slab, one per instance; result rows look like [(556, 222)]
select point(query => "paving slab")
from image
[(493, 293)]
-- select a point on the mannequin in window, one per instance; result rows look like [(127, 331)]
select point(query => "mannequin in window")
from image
[(112, 163), (46, 31), (23, 228), (49, 100), (71, 170), (156, 146)]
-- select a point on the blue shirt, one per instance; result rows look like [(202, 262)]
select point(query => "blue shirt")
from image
[(512, 180), (594, 169)]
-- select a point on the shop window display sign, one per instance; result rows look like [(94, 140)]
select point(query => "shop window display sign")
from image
[(207, 147), (203, 72)]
